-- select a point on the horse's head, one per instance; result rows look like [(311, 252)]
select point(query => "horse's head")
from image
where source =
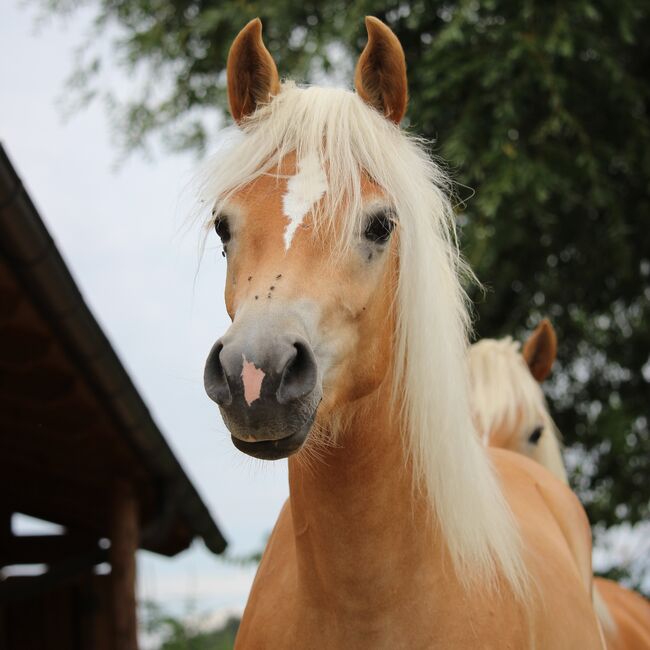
[(508, 403), (310, 241)]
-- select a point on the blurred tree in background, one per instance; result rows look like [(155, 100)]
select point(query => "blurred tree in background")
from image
[(171, 632), (540, 108)]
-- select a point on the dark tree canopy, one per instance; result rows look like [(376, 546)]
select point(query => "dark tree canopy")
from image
[(541, 109)]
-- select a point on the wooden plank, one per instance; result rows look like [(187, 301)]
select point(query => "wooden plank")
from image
[(22, 588), (69, 616), (103, 635), (124, 544), (5, 523), (5, 533), (44, 549)]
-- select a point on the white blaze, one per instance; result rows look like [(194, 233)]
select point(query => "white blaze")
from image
[(303, 191)]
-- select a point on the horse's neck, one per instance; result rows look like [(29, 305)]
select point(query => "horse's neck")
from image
[(360, 529)]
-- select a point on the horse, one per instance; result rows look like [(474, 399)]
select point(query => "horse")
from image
[(508, 403), (347, 355), (510, 411)]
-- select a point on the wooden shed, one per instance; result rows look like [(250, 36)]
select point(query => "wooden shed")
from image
[(79, 448)]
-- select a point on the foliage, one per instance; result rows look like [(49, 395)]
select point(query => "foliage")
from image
[(178, 634), (542, 109)]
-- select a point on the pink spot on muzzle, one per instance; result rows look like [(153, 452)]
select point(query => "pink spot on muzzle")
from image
[(252, 378)]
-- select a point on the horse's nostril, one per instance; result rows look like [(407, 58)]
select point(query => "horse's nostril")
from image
[(214, 377), (299, 376)]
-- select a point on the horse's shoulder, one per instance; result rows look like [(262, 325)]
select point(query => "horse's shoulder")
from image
[(535, 493), (630, 612), (633, 601)]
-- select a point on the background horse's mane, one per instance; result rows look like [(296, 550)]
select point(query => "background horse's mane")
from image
[(504, 393), (351, 139)]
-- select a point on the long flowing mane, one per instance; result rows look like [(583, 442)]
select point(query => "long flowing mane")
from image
[(350, 139), (505, 394)]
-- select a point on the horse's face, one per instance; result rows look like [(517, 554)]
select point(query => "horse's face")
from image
[(311, 323), (310, 326)]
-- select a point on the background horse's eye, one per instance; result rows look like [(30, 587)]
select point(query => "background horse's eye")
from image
[(536, 435), (223, 229), (380, 226)]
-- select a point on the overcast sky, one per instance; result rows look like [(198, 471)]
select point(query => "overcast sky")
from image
[(123, 236)]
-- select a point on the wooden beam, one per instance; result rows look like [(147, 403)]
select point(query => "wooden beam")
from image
[(124, 544), (24, 587), (43, 549)]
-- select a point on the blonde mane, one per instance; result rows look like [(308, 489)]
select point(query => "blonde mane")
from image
[(505, 396), (350, 139)]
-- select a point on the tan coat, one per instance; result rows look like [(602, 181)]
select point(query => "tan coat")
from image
[(354, 562)]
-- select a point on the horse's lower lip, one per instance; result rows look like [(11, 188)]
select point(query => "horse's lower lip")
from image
[(272, 449)]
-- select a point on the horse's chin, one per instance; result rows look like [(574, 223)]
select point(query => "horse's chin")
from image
[(276, 448)]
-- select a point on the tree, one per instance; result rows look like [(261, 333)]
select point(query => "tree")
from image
[(176, 633), (542, 109)]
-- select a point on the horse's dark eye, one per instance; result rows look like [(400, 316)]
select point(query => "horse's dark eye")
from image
[(223, 229), (534, 437), (380, 226)]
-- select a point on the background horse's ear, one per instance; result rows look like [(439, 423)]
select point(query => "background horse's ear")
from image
[(380, 78), (252, 76), (540, 350)]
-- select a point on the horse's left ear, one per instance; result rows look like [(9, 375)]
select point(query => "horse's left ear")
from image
[(380, 77), (251, 72), (540, 350)]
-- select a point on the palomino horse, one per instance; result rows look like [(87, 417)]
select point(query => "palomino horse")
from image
[(508, 402), (510, 411), (347, 354)]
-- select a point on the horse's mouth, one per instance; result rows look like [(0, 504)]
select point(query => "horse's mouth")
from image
[(276, 449)]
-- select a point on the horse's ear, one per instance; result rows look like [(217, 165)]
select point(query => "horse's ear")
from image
[(251, 72), (380, 77), (540, 350)]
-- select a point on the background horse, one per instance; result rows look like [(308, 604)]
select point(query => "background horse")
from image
[(508, 403), (510, 411), (347, 354)]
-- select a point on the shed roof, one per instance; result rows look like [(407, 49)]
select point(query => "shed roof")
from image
[(71, 420)]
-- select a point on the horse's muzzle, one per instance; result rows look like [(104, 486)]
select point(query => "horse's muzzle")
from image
[(267, 390)]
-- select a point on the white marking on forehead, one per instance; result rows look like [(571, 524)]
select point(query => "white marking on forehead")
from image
[(303, 191)]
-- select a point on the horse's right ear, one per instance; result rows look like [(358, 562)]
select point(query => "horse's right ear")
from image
[(540, 350), (251, 72)]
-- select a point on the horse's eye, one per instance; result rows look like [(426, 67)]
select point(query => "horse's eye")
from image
[(223, 229), (534, 437), (380, 226)]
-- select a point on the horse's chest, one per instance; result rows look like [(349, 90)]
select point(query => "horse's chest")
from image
[(280, 616)]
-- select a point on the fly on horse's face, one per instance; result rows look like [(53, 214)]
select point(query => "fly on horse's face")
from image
[(299, 308)]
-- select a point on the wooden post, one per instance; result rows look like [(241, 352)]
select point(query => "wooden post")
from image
[(124, 544), (5, 536)]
